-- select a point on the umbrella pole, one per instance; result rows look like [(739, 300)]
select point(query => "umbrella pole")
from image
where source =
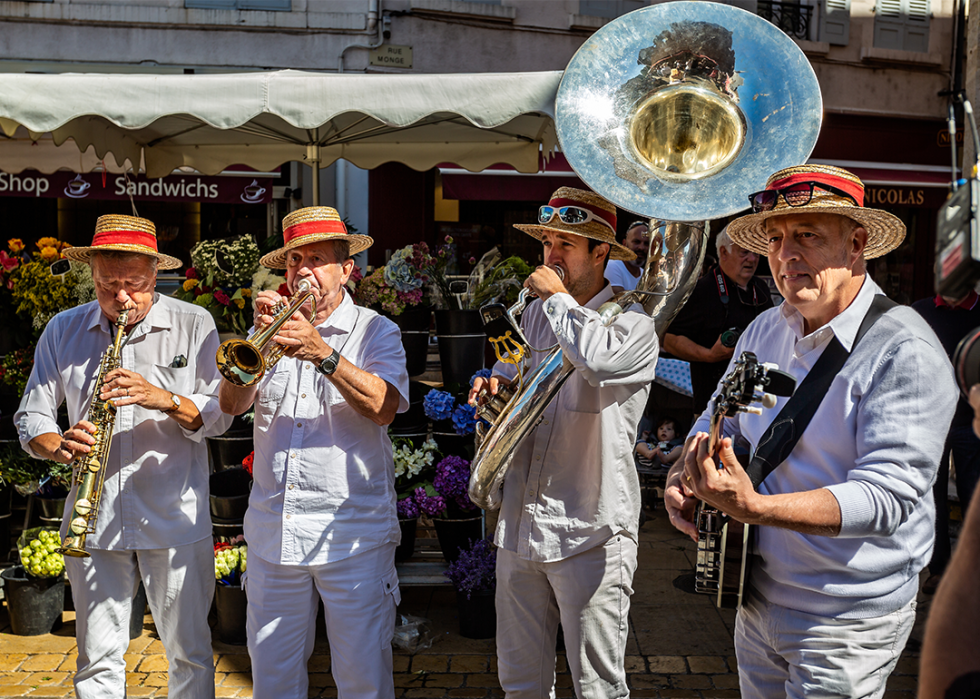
[(316, 184)]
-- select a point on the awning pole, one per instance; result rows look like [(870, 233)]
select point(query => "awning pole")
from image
[(313, 155)]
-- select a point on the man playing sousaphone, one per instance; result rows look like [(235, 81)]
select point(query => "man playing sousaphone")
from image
[(571, 500), (153, 521), (321, 520), (847, 514)]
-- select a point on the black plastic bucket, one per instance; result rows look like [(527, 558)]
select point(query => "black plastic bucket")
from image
[(231, 606), (229, 494), (34, 604), (462, 345)]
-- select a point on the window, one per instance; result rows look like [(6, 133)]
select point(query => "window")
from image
[(835, 22), (609, 9), (902, 25), (280, 5)]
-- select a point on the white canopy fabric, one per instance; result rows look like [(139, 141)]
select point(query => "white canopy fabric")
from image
[(208, 122)]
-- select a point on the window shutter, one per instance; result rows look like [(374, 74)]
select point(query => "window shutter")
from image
[(889, 25), (917, 26), (835, 22), (209, 4)]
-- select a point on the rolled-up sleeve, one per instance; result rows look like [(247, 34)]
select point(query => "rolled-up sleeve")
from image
[(899, 440), (622, 352)]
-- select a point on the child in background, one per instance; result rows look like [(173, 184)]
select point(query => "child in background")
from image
[(660, 454)]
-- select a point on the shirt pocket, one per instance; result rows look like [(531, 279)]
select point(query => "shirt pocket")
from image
[(174, 379), (328, 394), (578, 396)]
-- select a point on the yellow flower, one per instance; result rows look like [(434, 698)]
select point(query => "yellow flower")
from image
[(16, 245), (49, 254), (48, 242), (190, 284), (247, 293), (240, 303)]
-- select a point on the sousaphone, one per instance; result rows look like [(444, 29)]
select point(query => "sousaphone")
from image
[(675, 112)]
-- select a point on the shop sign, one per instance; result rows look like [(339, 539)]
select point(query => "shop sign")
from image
[(918, 197), (197, 188)]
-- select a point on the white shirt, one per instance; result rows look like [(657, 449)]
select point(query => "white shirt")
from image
[(874, 443), (324, 476), (618, 274), (156, 484), (572, 484)]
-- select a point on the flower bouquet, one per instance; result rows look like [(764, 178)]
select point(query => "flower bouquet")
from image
[(37, 293), (415, 276), (38, 549), (412, 466), (221, 281), (15, 369), (230, 561), (447, 495)]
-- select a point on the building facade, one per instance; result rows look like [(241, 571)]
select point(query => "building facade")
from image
[(881, 64)]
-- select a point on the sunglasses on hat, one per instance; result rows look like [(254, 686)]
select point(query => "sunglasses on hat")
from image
[(572, 215), (799, 194)]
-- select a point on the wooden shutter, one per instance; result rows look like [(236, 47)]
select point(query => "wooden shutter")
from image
[(902, 25), (835, 22)]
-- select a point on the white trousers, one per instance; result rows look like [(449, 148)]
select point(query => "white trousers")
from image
[(179, 586), (359, 596), (786, 653), (589, 594)]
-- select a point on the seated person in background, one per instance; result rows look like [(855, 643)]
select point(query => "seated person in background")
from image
[(662, 452)]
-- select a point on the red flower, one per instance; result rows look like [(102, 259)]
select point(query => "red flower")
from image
[(221, 545), (221, 297), (248, 461), (191, 273), (283, 290)]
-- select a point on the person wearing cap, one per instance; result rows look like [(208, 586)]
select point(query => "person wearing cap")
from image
[(845, 522), (625, 274), (567, 531), (321, 520), (723, 303), (154, 520)]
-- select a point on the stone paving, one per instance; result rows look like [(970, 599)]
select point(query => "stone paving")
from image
[(680, 645)]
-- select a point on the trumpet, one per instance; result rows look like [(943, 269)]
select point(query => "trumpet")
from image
[(243, 362)]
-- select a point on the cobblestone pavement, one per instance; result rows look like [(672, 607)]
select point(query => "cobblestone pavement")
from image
[(679, 646)]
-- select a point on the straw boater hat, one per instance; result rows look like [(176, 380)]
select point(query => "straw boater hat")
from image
[(885, 232), (125, 234), (568, 196), (311, 225)]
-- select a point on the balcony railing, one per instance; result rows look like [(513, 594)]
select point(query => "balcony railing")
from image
[(792, 18)]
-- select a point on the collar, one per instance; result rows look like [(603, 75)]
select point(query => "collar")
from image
[(157, 318), (966, 304), (596, 301), (844, 325)]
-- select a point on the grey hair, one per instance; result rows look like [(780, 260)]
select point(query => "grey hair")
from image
[(723, 240), (341, 250), (123, 255)]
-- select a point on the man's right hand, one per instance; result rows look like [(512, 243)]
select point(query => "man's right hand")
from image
[(492, 384), (77, 440), (720, 353), (264, 302)]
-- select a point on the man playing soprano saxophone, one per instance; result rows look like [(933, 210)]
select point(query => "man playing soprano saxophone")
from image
[(571, 501), (153, 522)]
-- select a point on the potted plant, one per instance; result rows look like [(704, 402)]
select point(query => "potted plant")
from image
[(15, 369), (35, 589), (454, 419), (446, 500), (474, 576), (412, 467), (230, 601), (220, 280)]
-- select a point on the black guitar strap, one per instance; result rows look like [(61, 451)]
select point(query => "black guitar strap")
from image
[(784, 432)]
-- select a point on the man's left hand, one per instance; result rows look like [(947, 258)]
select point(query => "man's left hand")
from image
[(544, 282), (301, 340), (125, 387), (721, 483)]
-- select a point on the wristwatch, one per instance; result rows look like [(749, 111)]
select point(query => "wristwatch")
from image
[(175, 404), (329, 365)]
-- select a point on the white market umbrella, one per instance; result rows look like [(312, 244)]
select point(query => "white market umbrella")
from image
[(262, 120)]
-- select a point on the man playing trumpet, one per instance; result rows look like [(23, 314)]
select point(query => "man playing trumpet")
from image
[(571, 501), (321, 520), (153, 522)]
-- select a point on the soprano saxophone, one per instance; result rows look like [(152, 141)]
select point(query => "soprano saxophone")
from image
[(89, 469)]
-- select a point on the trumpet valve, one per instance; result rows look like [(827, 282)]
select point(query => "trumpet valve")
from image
[(492, 405)]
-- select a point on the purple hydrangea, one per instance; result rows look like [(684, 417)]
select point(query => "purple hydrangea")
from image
[(452, 481), (464, 419), (432, 505), (475, 569), (482, 374), (407, 508), (438, 405)]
